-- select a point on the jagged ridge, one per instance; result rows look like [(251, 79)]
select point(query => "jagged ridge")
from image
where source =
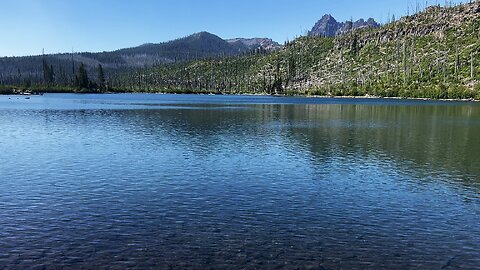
[(327, 26)]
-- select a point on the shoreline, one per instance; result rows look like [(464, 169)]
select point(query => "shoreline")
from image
[(41, 93), (396, 98)]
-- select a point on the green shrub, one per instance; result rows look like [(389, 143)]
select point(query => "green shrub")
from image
[(441, 91)]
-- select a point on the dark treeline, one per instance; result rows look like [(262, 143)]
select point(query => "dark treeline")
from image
[(56, 78), (48, 73)]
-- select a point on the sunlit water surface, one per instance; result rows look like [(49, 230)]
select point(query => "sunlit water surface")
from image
[(194, 182)]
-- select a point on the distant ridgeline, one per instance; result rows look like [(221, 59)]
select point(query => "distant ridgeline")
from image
[(62, 72), (431, 54)]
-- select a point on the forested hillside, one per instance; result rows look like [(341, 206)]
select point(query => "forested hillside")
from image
[(431, 54), (61, 70)]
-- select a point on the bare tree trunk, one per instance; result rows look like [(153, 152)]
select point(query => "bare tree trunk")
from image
[(388, 72), (405, 61), (445, 66), (471, 65), (343, 68), (397, 66), (457, 58), (412, 64), (438, 59), (421, 70)]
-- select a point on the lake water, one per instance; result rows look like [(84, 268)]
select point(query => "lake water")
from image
[(195, 182)]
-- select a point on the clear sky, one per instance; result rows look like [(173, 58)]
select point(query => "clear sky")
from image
[(27, 26)]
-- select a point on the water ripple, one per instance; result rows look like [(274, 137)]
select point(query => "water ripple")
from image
[(250, 183)]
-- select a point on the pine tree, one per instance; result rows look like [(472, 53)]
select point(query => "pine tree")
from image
[(48, 74), (82, 80), (355, 44), (100, 77)]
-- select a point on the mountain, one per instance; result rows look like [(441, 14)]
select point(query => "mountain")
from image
[(255, 43), (432, 54), (327, 26), (197, 46)]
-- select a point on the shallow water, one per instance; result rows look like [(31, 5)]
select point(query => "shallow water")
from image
[(194, 182)]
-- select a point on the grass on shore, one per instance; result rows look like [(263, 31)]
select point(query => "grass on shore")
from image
[(434, 91)]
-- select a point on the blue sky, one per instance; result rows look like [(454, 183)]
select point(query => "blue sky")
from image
[(27, 26)]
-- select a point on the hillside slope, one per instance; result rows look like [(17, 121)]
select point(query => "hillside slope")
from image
[(431, 54)]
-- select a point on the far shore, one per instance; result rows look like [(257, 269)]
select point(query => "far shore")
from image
[(42, 92)]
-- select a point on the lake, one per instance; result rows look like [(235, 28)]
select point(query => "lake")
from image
[(231, 182)]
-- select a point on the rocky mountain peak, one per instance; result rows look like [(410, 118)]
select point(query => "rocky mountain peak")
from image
[(256, 43), (328, 26)]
